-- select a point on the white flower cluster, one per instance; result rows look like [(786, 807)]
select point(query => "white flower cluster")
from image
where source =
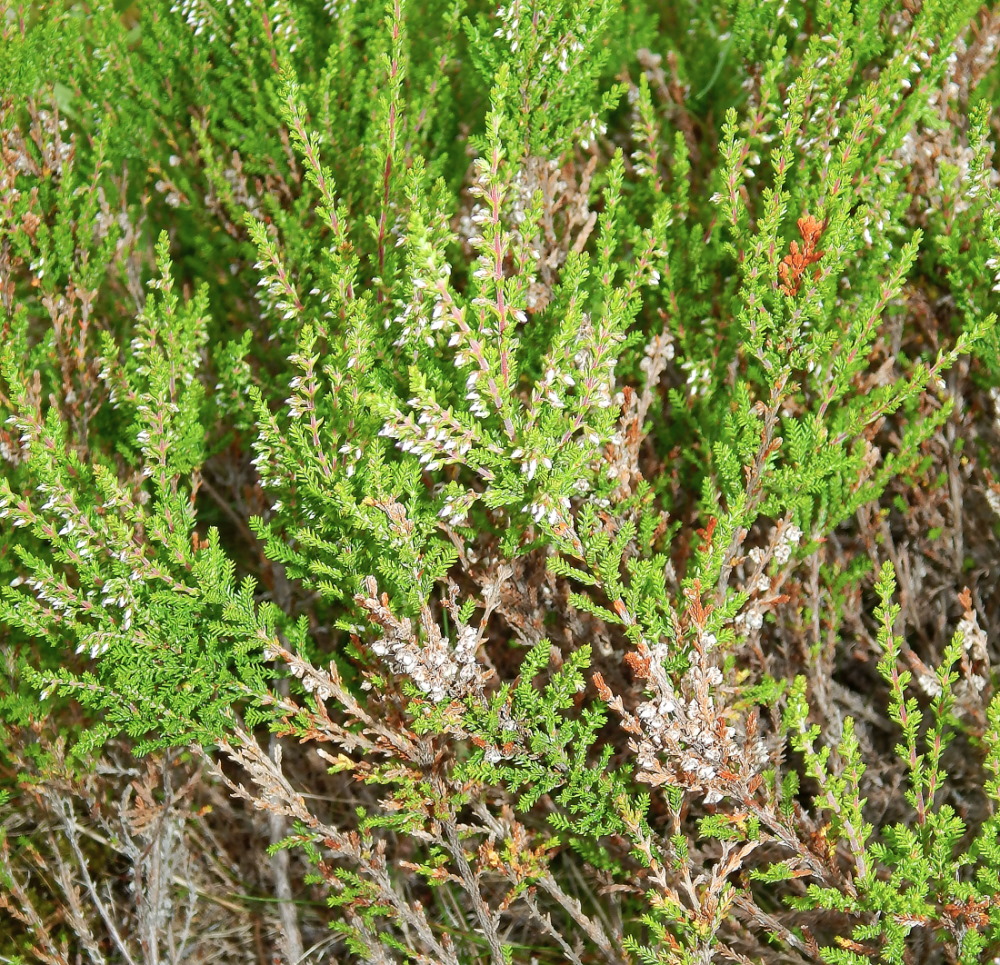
[(593, 360), (199, 16), (28, 432), (262, 463), (788, 538), (687, 728), (537, 174), (534, 174), (975, 645), (455, 510), (530, 462), (10, 450), (336, 8), (564, 53), (545, 507), (207, 18), (699, 376), (279, 295), (55, 151), (96, 644), (73, 521), (751, 618), (600, 391), (119, 592), (57, 595), (16, 161), (551, 385), (930, 144), (300, 402), (440, 670), (593, 128), (171, 195), (314, 680), (436, 437), (427, 310), (509, 17)]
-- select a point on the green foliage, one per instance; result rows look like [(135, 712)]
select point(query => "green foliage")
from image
[(508, 404), (907, 876)]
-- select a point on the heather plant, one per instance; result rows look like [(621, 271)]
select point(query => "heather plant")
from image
[(499, 484)]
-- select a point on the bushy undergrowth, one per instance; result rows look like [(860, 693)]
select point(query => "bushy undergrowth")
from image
[(499, 485)]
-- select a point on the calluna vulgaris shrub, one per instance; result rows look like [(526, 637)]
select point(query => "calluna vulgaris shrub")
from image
[(507, 484)]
